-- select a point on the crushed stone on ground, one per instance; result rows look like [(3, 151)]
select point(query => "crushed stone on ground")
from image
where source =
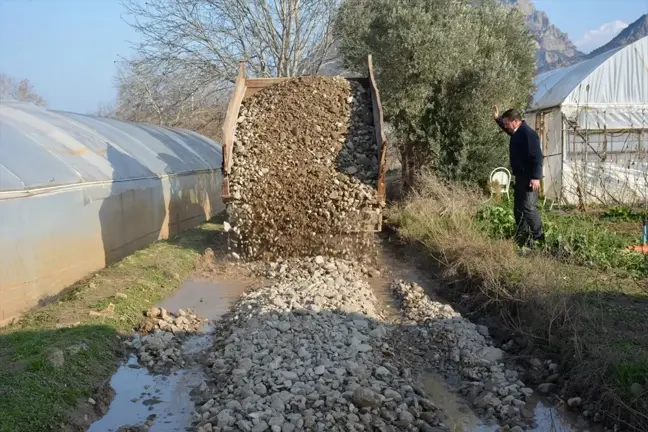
[(310, 352), (458, 348), (159, 338), (305, 169)]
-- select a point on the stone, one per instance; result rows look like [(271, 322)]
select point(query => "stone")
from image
[(536, 363), (56, 358), (382, 371), (366, 398), (574, 402), (546, 388), (226, 418), (392, 394), (483, 330), (636, 389), (491, 354)]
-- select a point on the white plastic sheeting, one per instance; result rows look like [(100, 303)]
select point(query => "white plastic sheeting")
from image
[(608, 91), (604, 183), (40, 149)]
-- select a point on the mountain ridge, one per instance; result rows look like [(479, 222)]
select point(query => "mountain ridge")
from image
[(554, 46), (635, 31)]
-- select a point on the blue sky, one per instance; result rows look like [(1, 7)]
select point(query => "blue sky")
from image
[(67, 48)]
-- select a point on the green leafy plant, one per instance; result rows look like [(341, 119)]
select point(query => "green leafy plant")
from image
[(621, 213), (498, 220), (573, 238)]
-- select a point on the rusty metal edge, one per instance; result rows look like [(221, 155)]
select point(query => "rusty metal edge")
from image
[(229, 128), (381, 139)]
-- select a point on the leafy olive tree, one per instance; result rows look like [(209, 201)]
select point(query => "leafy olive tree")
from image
[(441, 65)]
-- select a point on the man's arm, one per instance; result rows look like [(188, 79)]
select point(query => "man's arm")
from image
[(499, 120), (535, 155)]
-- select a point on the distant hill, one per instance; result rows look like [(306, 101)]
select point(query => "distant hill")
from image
[(554, 46), (635, 31), (632, 33)]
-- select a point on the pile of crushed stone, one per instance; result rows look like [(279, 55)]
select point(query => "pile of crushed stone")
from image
[(159, 338), (304, 170), (311, 352), (459, 349)]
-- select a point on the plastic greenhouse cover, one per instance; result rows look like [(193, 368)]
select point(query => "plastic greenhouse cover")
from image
[(41, 148), (614, 79)]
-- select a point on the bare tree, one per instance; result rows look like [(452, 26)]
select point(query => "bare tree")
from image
[(11, 88), (275, 37), (171, 98), (104, 109)]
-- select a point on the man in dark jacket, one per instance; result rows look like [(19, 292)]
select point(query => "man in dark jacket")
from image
[(525, 154)]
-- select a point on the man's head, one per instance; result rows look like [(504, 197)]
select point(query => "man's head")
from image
[(512, 119)]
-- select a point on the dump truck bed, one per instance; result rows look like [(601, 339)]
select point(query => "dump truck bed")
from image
[(246, 87)]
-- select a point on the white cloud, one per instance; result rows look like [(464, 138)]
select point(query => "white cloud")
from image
[(593, 39)]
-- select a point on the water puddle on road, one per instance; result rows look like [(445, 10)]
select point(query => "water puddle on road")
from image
[(164, 400), (552, 419), (461, 418), (207, 298), (141, 396)]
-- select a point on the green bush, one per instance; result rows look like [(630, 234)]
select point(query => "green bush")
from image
[(441, 65)]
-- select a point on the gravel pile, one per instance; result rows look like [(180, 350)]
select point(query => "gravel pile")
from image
[(308, 353), (461, 349), (159, 339), (305, 169)]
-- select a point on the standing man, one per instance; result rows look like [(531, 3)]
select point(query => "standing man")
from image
[(525, 155)]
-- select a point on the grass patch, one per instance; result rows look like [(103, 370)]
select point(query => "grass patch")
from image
[(594, 319), (58, 354)]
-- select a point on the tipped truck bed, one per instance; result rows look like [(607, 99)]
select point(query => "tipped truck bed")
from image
[(245, 87)]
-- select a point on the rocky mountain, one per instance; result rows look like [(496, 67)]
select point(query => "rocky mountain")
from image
[(554, 46), (632, 33)]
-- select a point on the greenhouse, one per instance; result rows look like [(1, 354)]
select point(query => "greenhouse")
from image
[(592, 118), (78, 192)]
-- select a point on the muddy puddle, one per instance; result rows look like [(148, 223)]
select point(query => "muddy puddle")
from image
[(461, 418), (140, 396), (164, 400), (552, 419), (207, 298)]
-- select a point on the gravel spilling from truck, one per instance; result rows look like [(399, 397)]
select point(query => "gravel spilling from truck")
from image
[(305, 169)]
